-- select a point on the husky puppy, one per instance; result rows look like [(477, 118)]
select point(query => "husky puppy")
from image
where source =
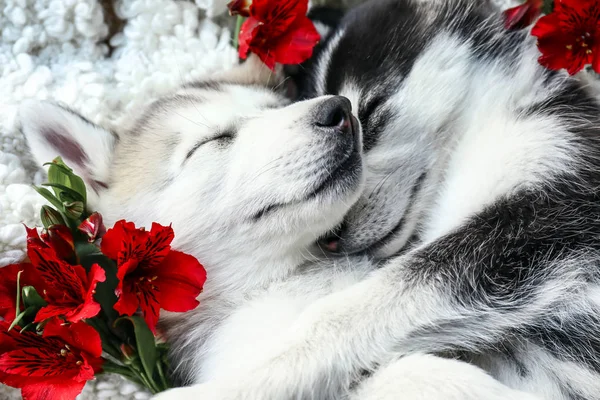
[(482, 196), (249, 183)]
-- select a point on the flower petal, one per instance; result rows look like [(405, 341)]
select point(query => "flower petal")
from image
[(79, 335), (92, 227), (298, 44), (128, 303), (150, 306), (522, 16), (65, 284), (23, 364), (180, 280), (158, 245), (246, 35), (278, 15), (52, 391), (120, 240), (61, 241)]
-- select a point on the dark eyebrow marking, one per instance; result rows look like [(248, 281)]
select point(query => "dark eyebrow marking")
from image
[(204, 85), (373, 118), (224, 135)]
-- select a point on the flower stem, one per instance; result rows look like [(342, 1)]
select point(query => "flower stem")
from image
[(163, 379), (112, 368), (236, 33), (146, 381)]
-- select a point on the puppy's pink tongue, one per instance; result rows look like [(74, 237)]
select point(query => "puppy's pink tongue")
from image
[(332, 245)]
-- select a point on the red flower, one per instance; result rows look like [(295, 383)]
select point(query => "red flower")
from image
[(569, 37), (241, 7), (278, 31), (68, 289), (57, 237), (151, 275), (92, 227), (522, 16), (54, 366)]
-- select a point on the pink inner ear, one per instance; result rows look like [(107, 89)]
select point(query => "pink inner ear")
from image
[(67, 148)]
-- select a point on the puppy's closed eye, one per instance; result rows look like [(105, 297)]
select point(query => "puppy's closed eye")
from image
[(222, 138)]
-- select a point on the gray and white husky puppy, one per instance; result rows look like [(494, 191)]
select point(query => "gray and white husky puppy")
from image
[(466, 217)]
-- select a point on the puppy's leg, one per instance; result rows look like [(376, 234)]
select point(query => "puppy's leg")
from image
[(427, 377)]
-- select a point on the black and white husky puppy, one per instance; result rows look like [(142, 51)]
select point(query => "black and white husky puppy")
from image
[(466, 219), (485, 168)]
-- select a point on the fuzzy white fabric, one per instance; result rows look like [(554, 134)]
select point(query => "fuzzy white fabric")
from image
[(56, 49)]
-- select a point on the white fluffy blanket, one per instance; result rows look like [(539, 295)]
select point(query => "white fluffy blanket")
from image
[(57, 49)]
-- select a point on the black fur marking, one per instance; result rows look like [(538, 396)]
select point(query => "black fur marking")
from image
[(300, 74), (574, 338), (204, 85), (373, 119)]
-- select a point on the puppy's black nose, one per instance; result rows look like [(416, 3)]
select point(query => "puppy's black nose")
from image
[(335, 112)]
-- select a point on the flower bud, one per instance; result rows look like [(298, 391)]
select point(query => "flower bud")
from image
[(93, 227), (241, 7), (51, 217), (74, 209), (128, 353)]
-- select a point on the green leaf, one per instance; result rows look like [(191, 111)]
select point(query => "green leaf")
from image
[(85, 249), (60, 174), (50, 197), (73, 195), (31, 298), (18, 302), (145, 343), (50, 216), (110, 342), (58, 162), (56, 176), (29, 311), (548, 6), (78, 186)]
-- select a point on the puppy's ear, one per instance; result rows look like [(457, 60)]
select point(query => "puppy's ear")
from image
[(251, 72), (52, 131)]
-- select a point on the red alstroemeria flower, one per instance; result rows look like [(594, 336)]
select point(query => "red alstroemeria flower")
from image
[(569, 37), (522, 16), (54, 366), (151, 275), (68, 289), (278, 31), (57, 237)]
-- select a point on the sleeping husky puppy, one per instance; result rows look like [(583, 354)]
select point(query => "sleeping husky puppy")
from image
[(476, 164), (249, 202), (482, 190)]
